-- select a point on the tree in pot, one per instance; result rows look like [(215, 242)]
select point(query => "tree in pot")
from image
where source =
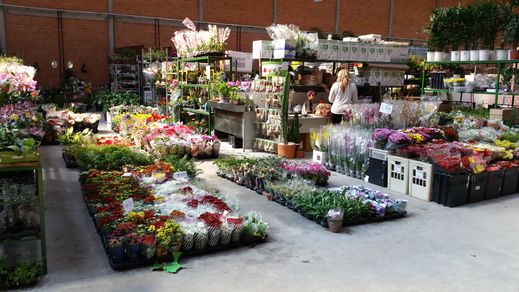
[(286, 149), (512, 35), (489, 21)]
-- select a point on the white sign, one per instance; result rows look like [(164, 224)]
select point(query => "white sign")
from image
[(181, 175), (128, 205), (366, 179), (126, 174), (386, 108), (419, 174), (398, 169)]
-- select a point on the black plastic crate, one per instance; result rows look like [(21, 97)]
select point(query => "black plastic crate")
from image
[(495, 184), (377, 172), (451, 190), (478, 187), (510, 180)]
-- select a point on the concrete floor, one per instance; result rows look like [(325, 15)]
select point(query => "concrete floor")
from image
[(470, 248)]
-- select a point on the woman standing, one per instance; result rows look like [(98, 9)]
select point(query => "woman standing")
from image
[(342, 93)]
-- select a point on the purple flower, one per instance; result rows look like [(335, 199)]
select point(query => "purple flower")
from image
[(382, 134), (399, 138)]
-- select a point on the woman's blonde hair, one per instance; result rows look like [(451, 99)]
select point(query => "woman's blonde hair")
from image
[(343, 77)]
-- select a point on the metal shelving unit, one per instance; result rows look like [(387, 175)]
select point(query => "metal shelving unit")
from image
[(125, 77), (28, 174), (500, 64)]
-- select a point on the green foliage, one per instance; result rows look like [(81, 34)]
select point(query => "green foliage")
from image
[(70, 137), (109, 157), (284, 110), (294, 130), (20, 275), (183, 164), (106, 99), (512, 31), (254, 226), (318, 203), (155, 54)]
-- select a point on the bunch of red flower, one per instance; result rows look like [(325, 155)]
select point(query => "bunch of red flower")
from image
[(216, 202), (234, 221), (193, 203), (211, 219), (113, 140), (177, 214)]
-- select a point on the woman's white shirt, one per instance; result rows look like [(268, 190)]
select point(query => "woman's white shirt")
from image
[(340, 100)]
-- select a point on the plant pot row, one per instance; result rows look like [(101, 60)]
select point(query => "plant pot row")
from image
[(473, 55)]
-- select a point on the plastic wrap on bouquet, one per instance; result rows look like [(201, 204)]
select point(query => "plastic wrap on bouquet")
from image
[(201, 239), (214, 236), (187, 241), (226, 235), (236, 232)]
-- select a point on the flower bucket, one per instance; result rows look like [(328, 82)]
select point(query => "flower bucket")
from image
[(455, 56), (474, 55), (287, 150), (501, 55), (465, 55), (430, 56), (484, 55), (335, 226)]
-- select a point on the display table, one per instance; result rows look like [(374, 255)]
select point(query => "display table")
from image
[(235, 120)]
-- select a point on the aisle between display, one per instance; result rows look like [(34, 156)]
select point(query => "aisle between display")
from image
[(145, 214)]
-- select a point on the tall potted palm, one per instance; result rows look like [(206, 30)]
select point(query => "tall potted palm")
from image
[(286, 149), (512, 35)]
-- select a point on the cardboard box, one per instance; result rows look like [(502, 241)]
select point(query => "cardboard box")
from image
[(262, 49), (372, 52), (363, 52), (388, 51), (505, 115), (284, 49), (380, 53), (323, 49), (334, 50), (344, 51), (400, 54), (354, 51)]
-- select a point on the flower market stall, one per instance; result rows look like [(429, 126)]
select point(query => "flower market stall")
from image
[(144, 214), (295, 185)]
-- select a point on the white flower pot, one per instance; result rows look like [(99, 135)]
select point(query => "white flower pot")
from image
[(455, 56), (501, 55), (439, 56), (430, 56), (465, 55), (474, 55), (484, 55), (446, 56)]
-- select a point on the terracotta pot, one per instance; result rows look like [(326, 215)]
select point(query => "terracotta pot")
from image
[(287, 150), (300, 154), (514, 55), (335, 226)]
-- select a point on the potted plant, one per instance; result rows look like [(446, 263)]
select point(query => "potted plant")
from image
[(512, 35), (286, 149), (454, 29), (505, 17), (488, 23), (335, 217)]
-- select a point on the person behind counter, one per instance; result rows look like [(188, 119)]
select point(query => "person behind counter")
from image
[(342, 93), (314, 105)]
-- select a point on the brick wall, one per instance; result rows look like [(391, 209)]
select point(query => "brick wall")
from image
[(34, 37)]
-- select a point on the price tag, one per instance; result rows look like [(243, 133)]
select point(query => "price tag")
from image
[(181, 175), (366, 179), (419, 174), (128, 205), (386, 108), (398, 168), (126, 174)]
